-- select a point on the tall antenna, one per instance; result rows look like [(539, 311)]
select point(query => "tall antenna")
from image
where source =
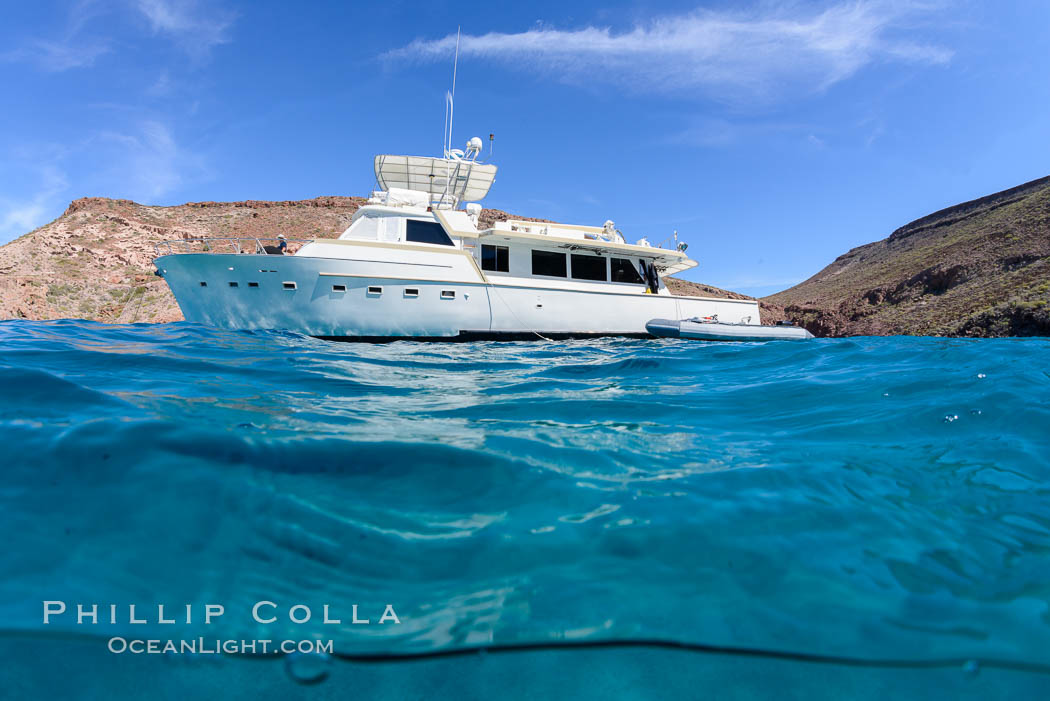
[(450, 102)]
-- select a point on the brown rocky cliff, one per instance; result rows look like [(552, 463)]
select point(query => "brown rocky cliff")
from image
[(981, 268)]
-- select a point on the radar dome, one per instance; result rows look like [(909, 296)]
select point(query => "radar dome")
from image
[(474, 144)]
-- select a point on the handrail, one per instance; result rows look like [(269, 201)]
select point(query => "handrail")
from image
[(220, 244), (678, 245)]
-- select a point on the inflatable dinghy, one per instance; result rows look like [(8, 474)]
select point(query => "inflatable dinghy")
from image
[(710, 329)]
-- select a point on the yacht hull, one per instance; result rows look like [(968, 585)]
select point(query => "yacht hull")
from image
[(374, 300)]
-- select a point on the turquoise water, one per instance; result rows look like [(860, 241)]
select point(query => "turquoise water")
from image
[(849, 518)]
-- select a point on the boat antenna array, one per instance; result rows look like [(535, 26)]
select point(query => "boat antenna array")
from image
[(456, 176), (450, 103), (474, 147)]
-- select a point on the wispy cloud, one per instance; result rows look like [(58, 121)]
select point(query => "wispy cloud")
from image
[(73, 47), (729, 55), (57, 56), (143, 161), (147, 162), (21, 215), (161, 87), (195, 28), (716, 133), (708, 132)]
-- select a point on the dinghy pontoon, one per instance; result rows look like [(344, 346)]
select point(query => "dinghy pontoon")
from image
[(711, 329)]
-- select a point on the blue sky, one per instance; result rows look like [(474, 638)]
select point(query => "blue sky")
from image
[(772, 135)]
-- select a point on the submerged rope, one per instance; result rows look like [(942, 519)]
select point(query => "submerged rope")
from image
[(963, 663), (784, 655)]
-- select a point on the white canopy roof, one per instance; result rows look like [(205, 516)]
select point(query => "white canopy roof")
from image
[(470, 181)]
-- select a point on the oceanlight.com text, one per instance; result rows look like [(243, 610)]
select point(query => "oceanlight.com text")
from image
[(215, 646)]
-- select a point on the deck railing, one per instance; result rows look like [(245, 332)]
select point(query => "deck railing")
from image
[(221, 244)]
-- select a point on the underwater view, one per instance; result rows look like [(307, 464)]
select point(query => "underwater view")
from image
[(612, 518)]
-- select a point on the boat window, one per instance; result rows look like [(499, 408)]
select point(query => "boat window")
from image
[(233, 284), (426, 232), (203, 284), (589, 267), (375, 290), (495, 258), (548, 263), (411, 292), (289, 285), (338, 288), (448, 294), (623, 270), (253, 284)]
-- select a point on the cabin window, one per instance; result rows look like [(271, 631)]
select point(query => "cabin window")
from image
[(233, 284), (289, 285), (203, 284), (426, 232), (623, 270), (547, 263), (375, 290), (495, 258), (589, 267), (448, 294), (411, 292), (253, 284), (338, 288)]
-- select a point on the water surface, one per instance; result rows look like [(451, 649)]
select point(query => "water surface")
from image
[(869, 499)]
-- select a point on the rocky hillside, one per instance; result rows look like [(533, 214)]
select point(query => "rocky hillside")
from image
[(981, 268), (94, 262)]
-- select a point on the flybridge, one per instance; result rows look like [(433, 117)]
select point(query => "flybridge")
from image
[(445, 182), (448, 181)]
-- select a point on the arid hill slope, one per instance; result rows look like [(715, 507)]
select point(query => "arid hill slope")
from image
[(94, 261), (981, 268)]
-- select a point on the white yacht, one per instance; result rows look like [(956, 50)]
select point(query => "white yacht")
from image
[(414, 264)]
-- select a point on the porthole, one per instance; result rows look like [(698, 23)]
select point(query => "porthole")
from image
[(203, 284), (411, 292), (233, 284), (373, 290), (338, 288), (448, 294), (253, 284), (290, 285)]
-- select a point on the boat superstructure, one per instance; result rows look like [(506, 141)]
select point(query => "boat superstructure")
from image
[(416, 262)]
